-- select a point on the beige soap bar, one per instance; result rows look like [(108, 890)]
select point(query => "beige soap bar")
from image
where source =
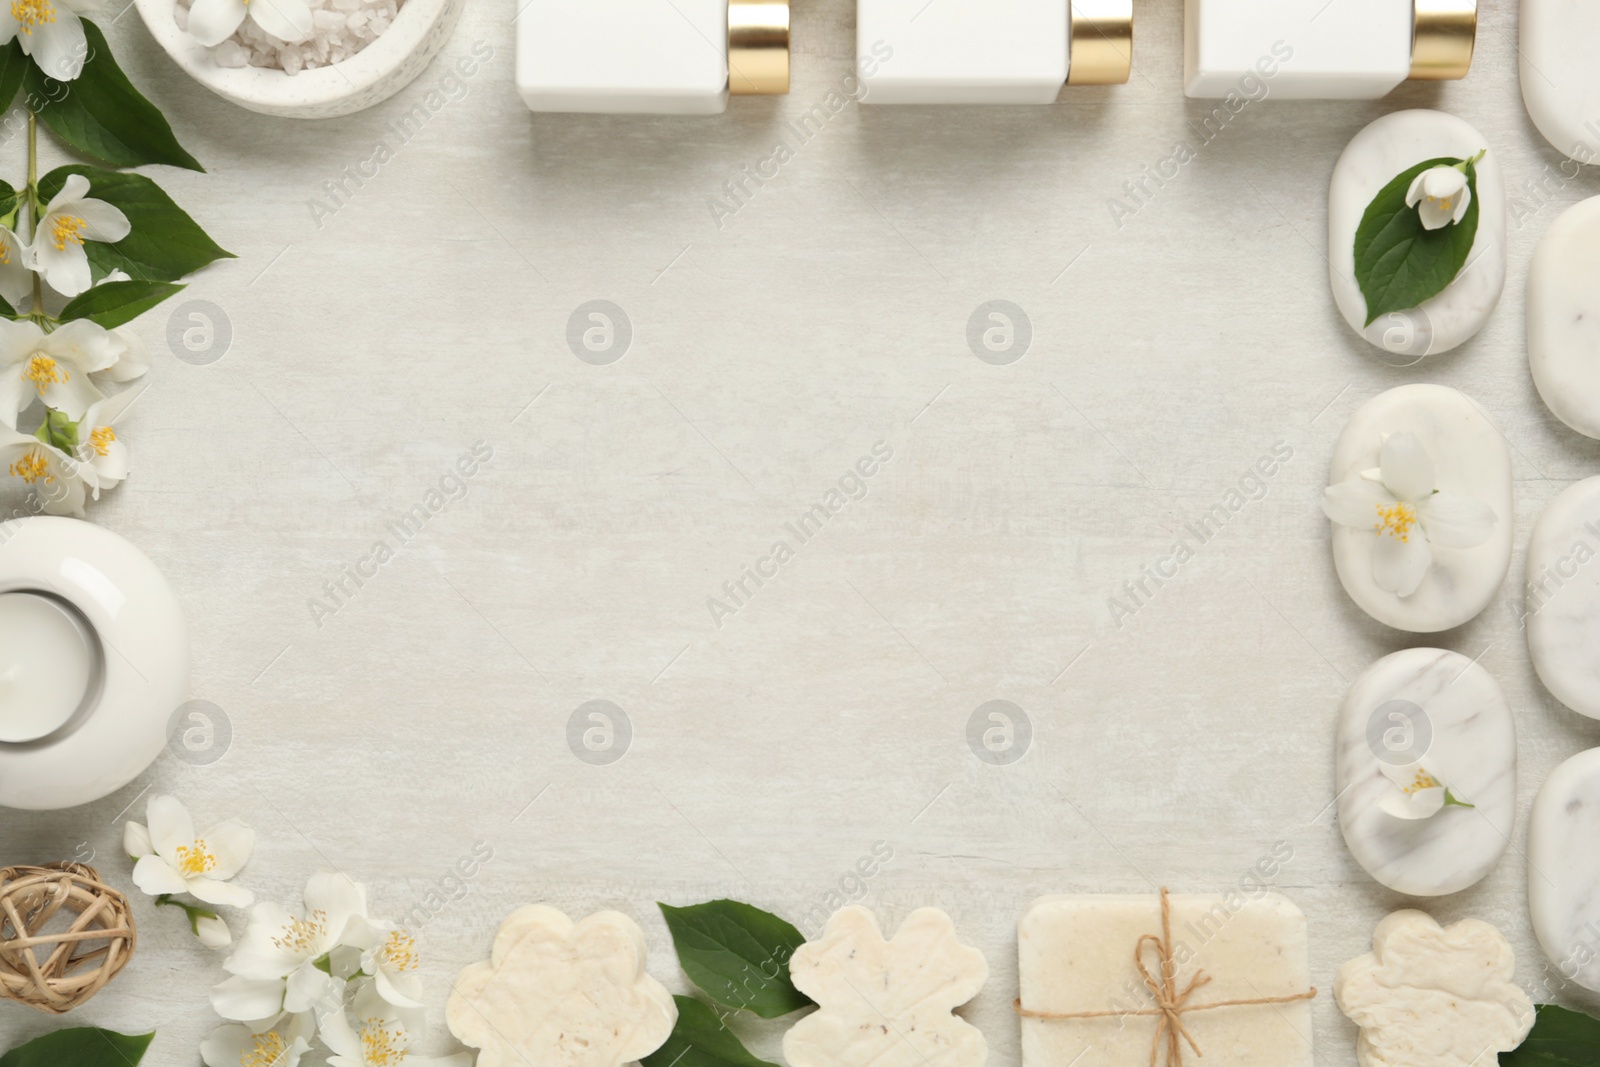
[(1076, 954)]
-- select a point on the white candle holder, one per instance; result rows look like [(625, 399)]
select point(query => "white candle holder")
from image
[(94, 659)]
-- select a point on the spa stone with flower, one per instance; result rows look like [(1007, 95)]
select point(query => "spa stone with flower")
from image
[(1426, 772), (1420, 502), (1416, 233)]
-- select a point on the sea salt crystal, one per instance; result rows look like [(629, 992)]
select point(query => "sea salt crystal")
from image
[(340, 29)]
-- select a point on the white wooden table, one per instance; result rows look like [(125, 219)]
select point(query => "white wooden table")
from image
[(429, 310)]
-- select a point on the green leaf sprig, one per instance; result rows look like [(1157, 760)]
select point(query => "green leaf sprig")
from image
[(738, 955), (1399, 262), (82, 1046), (1560, 1038)]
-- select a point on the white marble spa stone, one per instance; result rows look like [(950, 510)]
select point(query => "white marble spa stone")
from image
[(1558, 43), (1562, 611), (1470, 457), (1564, 314), (1076, 954), (1564, 868), (1372, 159), (1438, 708)]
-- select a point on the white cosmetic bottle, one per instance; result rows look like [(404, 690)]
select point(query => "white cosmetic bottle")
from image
[(995, 52), (1322, 50), (685, 57)]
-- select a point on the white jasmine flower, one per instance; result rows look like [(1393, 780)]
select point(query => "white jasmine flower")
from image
[(16, 279), (132, 355), (1440, 195), (1408, 514), (60, 481), (49, 31), (54, 369), (181, 861), (283, 1045), (295, 953), (98, 444), (393, 963), (1421, 794), (382, 1037), (212, 932), (213, 21), (71, 218)]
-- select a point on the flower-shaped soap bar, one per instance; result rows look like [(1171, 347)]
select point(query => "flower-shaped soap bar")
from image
[(559, 994), (887, 1003), (1432, 996)]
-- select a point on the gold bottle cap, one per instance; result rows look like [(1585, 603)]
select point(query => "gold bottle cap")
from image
[(758, 47), (1100, 42), (1442, 38)]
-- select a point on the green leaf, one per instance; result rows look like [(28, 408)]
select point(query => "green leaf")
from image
[(701, 1040), (12, 66), (1560, 1038), (114, 303), (6, 309), (1398, 263), (738, 954), (83, 1046), (101, 114), (165, 243)]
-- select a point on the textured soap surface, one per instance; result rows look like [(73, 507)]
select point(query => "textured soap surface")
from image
[(1558, 42), (1470, 457), (1373, 158), (1075, 953), (1564, 312), (1562, 610), (1441, 708), (1564, 868)]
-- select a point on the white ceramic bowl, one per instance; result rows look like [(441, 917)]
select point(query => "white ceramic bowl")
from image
[(371, 76), (141, 652)]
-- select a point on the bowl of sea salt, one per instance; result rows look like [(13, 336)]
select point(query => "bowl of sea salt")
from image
[(359, 53)]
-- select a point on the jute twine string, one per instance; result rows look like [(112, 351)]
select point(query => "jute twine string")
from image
[(70, 971), (1171, 1002)]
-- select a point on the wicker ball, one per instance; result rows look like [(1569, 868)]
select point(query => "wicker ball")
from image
[(63, 935)]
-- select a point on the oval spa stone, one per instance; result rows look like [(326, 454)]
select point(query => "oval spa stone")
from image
[(1470, 456), (1564, 315), (1442, 709), (1556, 48), (1372, 159), (1564, 868), (1562, 611)]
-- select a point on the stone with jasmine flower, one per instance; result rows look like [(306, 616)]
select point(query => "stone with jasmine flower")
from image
[(1420, 500), (1426, 772), (1085, 1002)]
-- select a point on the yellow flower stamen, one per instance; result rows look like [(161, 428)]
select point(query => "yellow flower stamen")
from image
[(400, 952), (101, 440), (31, 13), (381, 1046), (1397, 520), (43, 371), (1420, 781), (195, 860), (65, 229), (300, 936), (266, 1050), (5, 255), (33, 468)]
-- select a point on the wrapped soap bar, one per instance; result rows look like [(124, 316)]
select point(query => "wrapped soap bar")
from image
[(1121, 981)]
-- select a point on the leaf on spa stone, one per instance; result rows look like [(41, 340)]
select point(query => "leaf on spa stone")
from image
[(83, 1046), (164, 245), (738, 954), (1559, 1038), (700, 1039), (102, 115), (114, 303), (1399, 264), (12, 66)]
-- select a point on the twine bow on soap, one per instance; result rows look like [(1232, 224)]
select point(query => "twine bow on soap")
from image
[(1171, 1002)]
